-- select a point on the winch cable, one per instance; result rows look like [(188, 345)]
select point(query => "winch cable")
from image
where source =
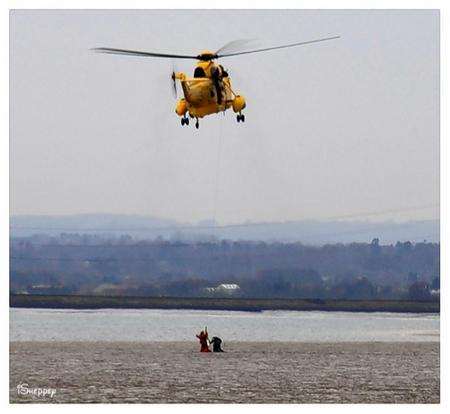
[(217, 175)]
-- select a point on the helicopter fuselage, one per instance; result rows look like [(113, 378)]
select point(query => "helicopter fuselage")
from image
[(208, 92)]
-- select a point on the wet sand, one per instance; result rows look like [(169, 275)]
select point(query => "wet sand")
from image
[(250, 372)]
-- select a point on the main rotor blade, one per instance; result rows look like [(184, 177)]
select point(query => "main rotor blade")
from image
[(127, 52), (234, 46), (277, 47)]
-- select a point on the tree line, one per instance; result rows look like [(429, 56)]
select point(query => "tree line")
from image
[(86, 264)]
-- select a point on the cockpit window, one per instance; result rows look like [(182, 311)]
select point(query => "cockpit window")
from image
[(199, 72)]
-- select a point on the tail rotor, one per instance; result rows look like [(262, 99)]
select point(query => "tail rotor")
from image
[(174, 81)]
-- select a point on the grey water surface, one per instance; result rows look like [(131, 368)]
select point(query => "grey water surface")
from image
[(182, 325)]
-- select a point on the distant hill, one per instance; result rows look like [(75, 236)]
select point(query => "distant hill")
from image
[(110, 224), (147, 227)]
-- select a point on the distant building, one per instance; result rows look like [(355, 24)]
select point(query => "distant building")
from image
[(224, 288), (20, 292), (48, 290), (228, 287)]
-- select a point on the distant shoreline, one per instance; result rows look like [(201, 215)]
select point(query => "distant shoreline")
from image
[(229, 304)]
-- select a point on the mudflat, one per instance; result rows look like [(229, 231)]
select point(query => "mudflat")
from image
[(248, 372)]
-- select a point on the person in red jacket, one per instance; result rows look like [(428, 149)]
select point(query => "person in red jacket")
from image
[(203, 338)]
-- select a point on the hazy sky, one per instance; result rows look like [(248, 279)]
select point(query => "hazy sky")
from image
[(335, 128)]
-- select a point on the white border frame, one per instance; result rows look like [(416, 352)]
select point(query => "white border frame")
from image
[(230, 4)]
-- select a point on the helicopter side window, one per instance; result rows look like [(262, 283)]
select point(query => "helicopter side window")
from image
[(199, 72)]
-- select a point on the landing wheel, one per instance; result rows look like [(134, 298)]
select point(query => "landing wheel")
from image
[(197, 125), (185, 121), (240, 118), (182, 121)]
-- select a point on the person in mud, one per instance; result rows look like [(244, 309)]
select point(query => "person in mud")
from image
[(216, 343), (203, 338)]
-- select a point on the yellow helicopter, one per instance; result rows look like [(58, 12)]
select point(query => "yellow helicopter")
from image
[(209, 91)]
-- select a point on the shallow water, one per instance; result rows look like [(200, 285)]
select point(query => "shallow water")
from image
[(148, 325)]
